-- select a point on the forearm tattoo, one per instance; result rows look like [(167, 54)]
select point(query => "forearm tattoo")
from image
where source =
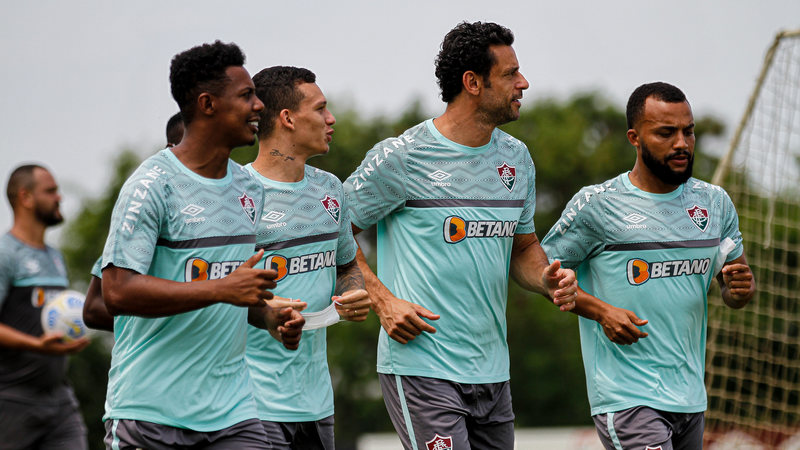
[(348, 277)]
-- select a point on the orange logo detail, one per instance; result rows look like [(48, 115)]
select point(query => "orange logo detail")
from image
[(638, 271), (455, 229), (279, 264)]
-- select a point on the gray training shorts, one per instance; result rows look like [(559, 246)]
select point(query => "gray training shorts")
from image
[(434, 414), (54, 427), (312, 435), (124, 434), (643, 428)]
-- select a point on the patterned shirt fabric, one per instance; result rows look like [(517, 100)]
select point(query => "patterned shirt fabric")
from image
[(653, 254), (305, 233), (186, 370), (29, 278), (446, 217)]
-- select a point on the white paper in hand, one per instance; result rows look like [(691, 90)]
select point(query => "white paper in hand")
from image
[(320, 319)]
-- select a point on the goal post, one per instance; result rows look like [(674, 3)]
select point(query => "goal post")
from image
[(753, 354)]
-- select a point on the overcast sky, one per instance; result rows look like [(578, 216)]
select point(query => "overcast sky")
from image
[(84, 79)]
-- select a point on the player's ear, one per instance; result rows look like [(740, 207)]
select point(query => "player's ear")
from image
[(25, 198), (633, 137), (286, 119), (205, 103), (472, 82)]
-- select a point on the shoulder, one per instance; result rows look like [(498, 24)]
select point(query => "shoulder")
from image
[(504, 139), (321, 177), (8, 248), (704, 191), (693, 185), (416, 136), (155, 170), (244, 175), (599, 192)]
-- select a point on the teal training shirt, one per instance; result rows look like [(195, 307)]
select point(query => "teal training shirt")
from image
[(187, 370), (30, 277), (653, 254), (446, 217), (305, 233)]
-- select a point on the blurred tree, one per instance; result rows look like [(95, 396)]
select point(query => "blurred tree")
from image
[(574, 142)]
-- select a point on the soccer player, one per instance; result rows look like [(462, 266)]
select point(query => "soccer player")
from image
[(38, 408), (95, 313), (307, 237), (179, 276), (648, 243), (453, 198)]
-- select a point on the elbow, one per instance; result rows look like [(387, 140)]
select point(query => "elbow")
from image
[(114, 301)]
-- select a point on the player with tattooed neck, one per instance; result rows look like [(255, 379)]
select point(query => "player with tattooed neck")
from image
[(306, 236)]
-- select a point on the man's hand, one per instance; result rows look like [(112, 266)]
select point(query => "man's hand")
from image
[(561, 284), (402, 319), (620, 325), (53, 344), (247, 286), (282, 302), (286, 325), (738, 284), (352, 305)]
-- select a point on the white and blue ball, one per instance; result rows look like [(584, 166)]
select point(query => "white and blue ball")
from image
[(64, 314)]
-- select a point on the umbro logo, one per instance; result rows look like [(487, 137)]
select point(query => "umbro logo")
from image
[(439, 175), (438, 178), (634, 221), (634, 218), (273, 216), (192, 210)]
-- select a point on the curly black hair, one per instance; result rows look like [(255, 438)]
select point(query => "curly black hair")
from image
[(658, 90), (201, 69), (276, 88), (466, 47)]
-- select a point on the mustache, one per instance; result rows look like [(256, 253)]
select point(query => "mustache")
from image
[(679, 153)]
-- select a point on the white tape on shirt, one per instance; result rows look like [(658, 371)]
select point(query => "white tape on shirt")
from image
[(725, 247), (320, 319)]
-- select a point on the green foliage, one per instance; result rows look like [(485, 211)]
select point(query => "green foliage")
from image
[(574, 143)]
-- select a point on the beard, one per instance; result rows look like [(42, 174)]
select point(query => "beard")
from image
[(48, 217), (663, 171)]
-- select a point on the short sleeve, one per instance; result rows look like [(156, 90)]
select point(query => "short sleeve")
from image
[(97, 268), (346, 245), (526, 224), (731, 227), (578, 234), (7, 270), (377, 187), (135, 223)]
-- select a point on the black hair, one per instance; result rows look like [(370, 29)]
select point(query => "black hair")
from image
[(21, 178), (659, 91), (466, 47), (201, 69), (174, 129), (276, 87)]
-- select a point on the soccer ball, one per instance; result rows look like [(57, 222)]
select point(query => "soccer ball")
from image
[(64, 314)]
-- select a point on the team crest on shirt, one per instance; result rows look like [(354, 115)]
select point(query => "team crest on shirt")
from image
[(249, 206), (440, 443), (508, 175), (699, 217), (332, 206)]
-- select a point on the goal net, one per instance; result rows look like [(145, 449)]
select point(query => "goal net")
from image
[(753, 354)]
